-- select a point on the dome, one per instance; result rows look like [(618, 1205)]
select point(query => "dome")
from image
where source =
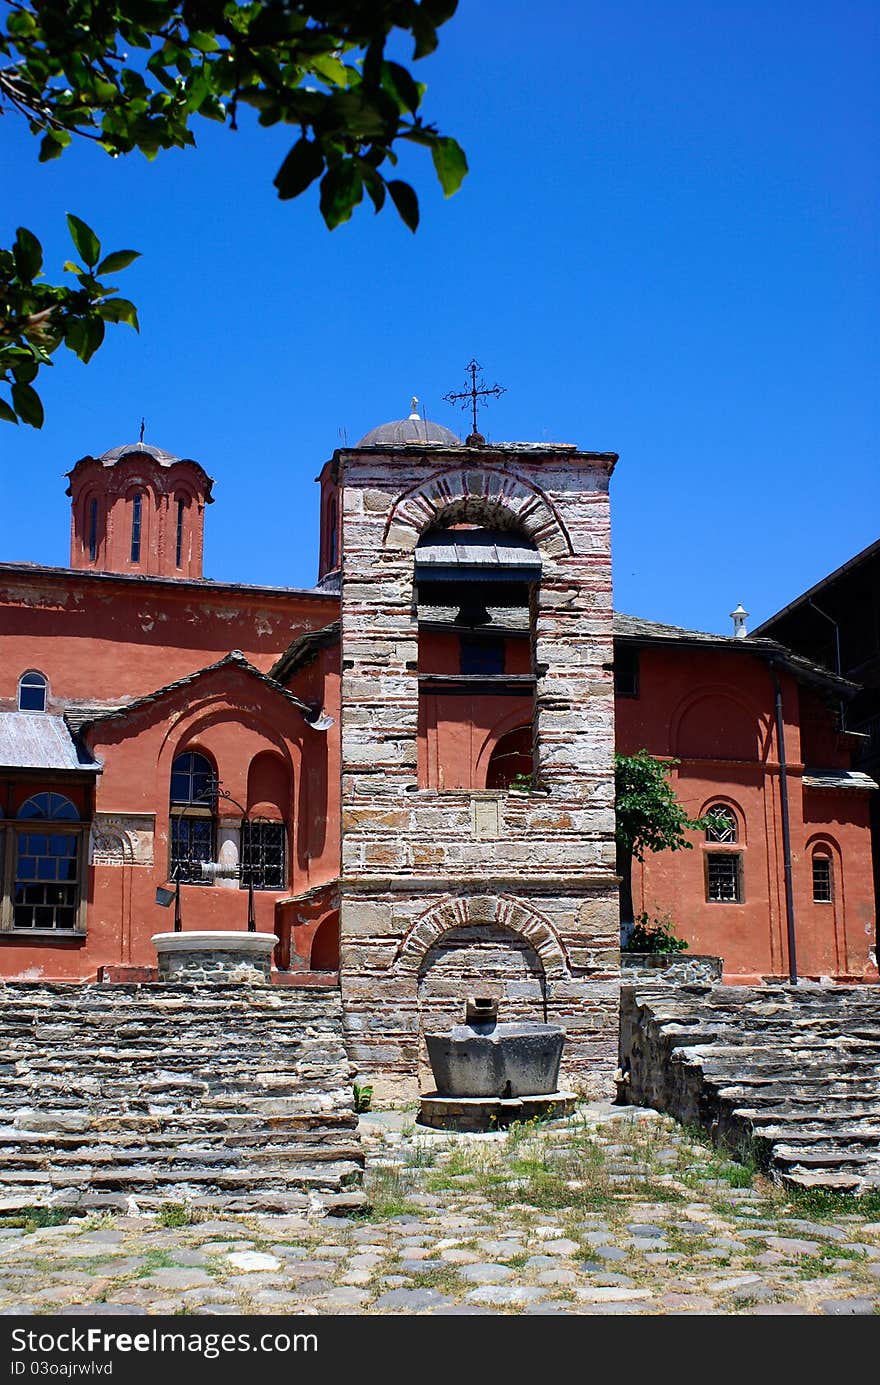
[(413, 430), (129, 449)]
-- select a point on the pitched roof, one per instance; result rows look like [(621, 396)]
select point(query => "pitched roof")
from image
[(304, 649), (82, 716), (872, 551), (38, 740), (641, 631)]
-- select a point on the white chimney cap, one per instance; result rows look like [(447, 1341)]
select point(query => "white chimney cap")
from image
[(739, 618)]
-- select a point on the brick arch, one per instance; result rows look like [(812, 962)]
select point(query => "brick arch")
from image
[(501, 910), (478, 494)]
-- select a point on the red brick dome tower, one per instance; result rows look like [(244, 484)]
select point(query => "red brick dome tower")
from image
[(139, 510)]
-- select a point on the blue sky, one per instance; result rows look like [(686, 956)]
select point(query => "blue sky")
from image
[(666, 247)]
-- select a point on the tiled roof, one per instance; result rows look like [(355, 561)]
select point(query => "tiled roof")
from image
[(653, 632), (38, 740), (303, 650), (838, 779)]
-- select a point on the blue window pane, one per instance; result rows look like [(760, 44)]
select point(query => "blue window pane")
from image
[(27, 868)]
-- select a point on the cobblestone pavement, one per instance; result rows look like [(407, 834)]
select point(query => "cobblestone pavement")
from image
[(612, 1211)]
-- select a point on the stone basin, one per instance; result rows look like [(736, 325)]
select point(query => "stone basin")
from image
[(513, 1059)]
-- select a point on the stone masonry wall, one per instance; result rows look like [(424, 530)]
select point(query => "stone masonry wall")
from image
[(416, 862)]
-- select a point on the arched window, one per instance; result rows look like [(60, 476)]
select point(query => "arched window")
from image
[(823, 877), (178, 542), (332, 536), (193, 820), (32, 690), (93, 530), (137, 505), (724, 869), (48, 864), (722, 828)]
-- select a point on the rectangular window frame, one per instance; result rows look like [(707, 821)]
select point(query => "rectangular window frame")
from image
[(136, 517), (255, 843), (827, 883), (192, 876), (734, 857), (10, 832), (627, 672)]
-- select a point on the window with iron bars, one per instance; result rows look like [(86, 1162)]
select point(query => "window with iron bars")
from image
[(724, 878), (821, 879), (263, 852)]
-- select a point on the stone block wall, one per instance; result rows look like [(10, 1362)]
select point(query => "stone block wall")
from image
[(418, 863)]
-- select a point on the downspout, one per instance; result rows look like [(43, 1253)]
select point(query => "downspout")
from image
[(786, 832)]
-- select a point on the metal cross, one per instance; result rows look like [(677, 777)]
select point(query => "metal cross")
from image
[(143, 424), (474, 395)]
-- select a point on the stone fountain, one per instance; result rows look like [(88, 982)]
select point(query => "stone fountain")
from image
[(489, 1074)]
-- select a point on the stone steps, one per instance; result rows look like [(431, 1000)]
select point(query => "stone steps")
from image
[(794, 1069), (229, 1097)]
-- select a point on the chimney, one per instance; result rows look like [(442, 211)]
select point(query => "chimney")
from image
[(739, 618)]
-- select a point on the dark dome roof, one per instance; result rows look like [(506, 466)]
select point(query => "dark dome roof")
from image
[(414, 429), (115, 454)]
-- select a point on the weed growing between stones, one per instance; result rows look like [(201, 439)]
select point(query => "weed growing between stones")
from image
[(825, 1204), (154, 1260), (176, 1214), (387, 1187), (33, 1218)]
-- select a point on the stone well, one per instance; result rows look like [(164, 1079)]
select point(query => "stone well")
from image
[(216, 956)]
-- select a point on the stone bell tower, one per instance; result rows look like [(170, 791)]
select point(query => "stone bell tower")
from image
[(477, 744)]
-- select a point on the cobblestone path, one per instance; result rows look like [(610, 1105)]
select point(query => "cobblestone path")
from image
[(614, 1210)]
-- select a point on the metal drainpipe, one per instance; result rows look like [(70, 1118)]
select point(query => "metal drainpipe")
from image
[(786, 833), (837, 651)]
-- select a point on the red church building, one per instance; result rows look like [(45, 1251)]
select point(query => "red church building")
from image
[(152, 721)]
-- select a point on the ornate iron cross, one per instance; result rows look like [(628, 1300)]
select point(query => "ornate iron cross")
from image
[(476, 395)]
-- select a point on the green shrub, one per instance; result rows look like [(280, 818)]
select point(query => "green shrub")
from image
[(654, 935)]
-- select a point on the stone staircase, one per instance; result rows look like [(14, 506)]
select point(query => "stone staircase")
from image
[(222, 1096), (792, 1071)]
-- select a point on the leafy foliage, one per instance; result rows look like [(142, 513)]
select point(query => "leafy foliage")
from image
[(37, 317), (654, 935), (649, 817), (136, 74)]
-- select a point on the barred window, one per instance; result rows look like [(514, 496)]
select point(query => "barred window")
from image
[(722, 828), (193, 825), (723, 878), (263, 854), (821, 879)]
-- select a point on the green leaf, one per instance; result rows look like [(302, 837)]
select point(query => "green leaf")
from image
[(24, 368), (8, 415), (27, 405), (28, 254), (85, 240), (450, 163), (342, 187), (402, 86), (94, 335), (119, 259), (303, 165), (406, 202), (52, 144), (120, 310)]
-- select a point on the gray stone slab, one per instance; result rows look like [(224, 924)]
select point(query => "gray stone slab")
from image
[(847, 1307), (411, 1300)]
